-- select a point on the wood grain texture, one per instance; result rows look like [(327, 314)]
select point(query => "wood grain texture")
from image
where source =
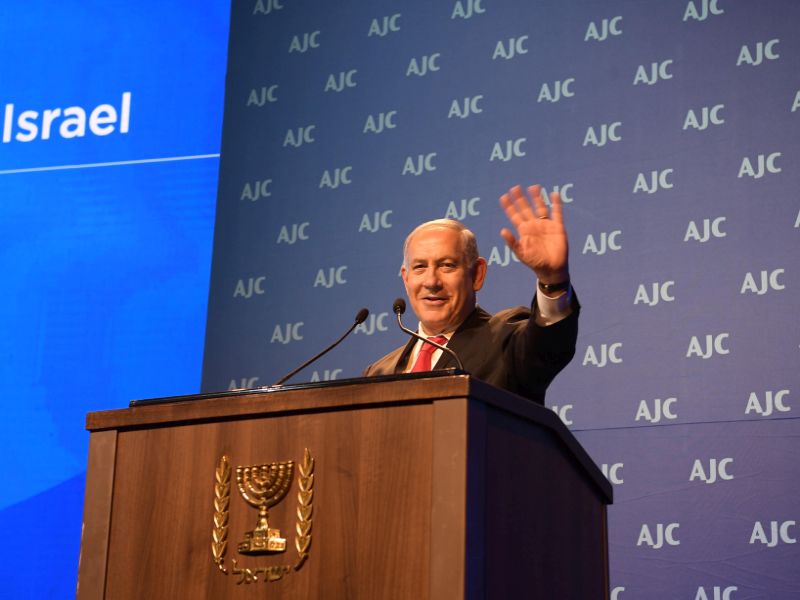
[(438, 488), (97, 515)]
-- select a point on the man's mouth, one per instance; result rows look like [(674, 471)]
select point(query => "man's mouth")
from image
[(434, 300)]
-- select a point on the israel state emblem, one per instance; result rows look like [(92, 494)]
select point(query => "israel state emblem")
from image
[(262, 487)]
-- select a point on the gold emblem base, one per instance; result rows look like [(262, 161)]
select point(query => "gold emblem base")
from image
[(260, 541)]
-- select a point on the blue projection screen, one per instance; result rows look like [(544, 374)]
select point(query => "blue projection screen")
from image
[(110, 119)]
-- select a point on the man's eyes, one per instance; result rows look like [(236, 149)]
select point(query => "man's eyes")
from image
[(447, 266)]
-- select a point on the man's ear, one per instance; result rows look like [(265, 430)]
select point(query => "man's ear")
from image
[(479, 273)]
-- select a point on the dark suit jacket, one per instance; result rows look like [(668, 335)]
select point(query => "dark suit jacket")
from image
[(508, 350)]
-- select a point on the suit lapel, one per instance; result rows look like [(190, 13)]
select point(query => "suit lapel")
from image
[(463, 340), (402, 359)]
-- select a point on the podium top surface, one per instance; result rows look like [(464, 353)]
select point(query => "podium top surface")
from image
[(392, 390)]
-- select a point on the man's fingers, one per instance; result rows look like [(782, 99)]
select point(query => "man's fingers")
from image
[(511, 210), (536, 194), (521, 202), (511, 241), (556, 210)]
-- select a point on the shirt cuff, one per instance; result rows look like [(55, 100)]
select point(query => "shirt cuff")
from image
[(551, 310)]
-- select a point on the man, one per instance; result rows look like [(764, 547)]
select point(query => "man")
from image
[(518, 349)]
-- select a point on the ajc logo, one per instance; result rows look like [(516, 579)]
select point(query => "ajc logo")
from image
[(385, 26), (267, 93), (657, 180), (608, 355), (778, 533), (246, 383), (423, 164), (717, 470), (473, 7), (265, 7), (334, 276), (606, 28), (709, 115), (717, 593), (305, 42), (772, 400), (562, 411), (341, 81), (468, 208), (660, 292), (561, 89), (709, 228), (246, 288), (516, 46), (296, 138), (470, 107), (715, 344), (379, 221), (290, 234), (762, 50), (286, 333), (326, 375), (607, 241), (769, 281), (258, 189), (513, 149), (338, 176), (607, 133), (658, 71), (373, 324), (763, 164), (501, 256), (661, 408), (381, 122), (613, 472), (427, 63), (707, 7), (664, 534)]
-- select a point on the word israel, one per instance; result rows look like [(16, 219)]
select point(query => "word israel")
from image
[(67, 123)]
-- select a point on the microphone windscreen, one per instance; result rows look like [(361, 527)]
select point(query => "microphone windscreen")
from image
[(362, 316), (399, 306)]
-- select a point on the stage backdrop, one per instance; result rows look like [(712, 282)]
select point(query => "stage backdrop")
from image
[(110, 121), (672, 131)]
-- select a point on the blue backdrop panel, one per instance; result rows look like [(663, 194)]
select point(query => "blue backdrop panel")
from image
[(671, 130), (105, 255)]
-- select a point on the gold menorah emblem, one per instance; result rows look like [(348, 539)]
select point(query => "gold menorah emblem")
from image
[(264, 486)]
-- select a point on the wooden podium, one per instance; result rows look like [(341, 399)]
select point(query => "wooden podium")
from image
[(433, 487)]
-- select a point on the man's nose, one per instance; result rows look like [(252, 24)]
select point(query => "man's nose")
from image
[(431, 279)]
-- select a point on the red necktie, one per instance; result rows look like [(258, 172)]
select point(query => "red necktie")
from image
[(424, 357)]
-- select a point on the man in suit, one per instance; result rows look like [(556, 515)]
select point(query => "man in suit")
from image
[(519, 349)]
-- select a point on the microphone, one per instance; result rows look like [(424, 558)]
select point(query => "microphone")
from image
[(360, 318), (399, 307)]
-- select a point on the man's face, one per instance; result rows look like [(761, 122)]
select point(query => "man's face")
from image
[(439, 284)]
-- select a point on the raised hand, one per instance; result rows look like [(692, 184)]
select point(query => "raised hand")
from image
[(541, 240)]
